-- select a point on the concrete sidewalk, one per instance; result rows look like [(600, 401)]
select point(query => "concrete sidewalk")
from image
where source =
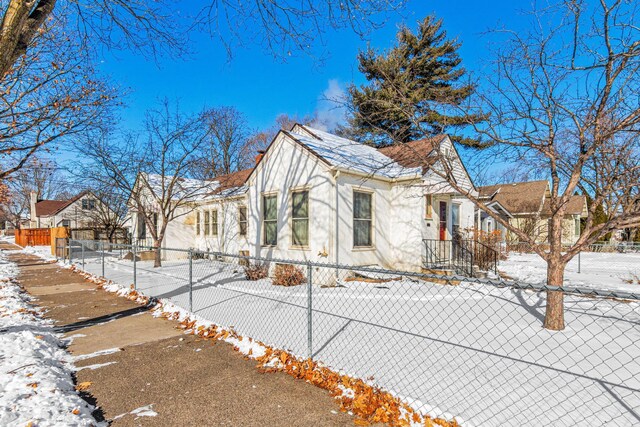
[(144, 371)]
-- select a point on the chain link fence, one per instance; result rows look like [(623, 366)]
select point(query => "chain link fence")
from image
[(610, 247), (450, 346)]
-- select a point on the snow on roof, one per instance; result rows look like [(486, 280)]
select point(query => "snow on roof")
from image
[(350, 155), (186, 189), (193, 190)]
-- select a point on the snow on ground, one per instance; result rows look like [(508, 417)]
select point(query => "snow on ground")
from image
[(474, 351), (43, 252), (602, 271), (35, 371)]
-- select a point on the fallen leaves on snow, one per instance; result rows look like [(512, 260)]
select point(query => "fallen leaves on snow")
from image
[(368, 403)]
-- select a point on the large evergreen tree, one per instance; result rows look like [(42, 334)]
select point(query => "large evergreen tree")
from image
[(414, 89)]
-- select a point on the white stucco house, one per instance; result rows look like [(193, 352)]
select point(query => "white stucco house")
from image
[(315, 196)]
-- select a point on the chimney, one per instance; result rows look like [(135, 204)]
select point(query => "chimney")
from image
[(33, 199), (259, 156)]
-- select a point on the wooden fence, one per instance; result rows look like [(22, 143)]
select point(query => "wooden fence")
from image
[(59, 233), (33, 237)]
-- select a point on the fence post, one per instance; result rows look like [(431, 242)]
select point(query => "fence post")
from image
[(70, 252), (133, 252), (82, 249), (309, 312), (472, 260), (190, 280), (579, 262), (102, 250)]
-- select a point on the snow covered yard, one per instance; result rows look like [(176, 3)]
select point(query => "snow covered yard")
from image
[(474, 351), (602, 271), (35, 371)]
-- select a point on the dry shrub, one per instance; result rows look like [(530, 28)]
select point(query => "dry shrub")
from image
[(256, 271), (288, 275)]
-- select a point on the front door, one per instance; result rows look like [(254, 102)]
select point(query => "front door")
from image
[(443, 220)]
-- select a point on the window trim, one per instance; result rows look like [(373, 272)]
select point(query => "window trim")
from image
[(293, 190), (372, 220), (88, 204), (263, 221), (214, 225), (246, 221), (458, 205)]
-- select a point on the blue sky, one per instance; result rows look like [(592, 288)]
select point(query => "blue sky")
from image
[(263, 87)]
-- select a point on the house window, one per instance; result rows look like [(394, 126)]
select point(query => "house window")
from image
[(142, 227), (66, 223), (214, 223), (270, 219), (88, 204), (429, 206), (197, 223), (455, 219), (577, 226), (206, 223), (300, 218), (242, 220), (362, 219)]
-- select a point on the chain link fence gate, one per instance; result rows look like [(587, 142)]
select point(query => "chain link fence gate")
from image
[(450, 346)]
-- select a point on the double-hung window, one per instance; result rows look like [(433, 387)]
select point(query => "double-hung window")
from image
[(242, 220), (88, 204), (300, 218), (270, 219), (197, 223), (214, 223), (206, 223), (362, 219)]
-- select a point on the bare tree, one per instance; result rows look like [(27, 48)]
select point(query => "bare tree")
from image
[(283, 27), (138, 24), (53, 73), (109, 165), (152, 169), (41, 176), (49, 96), (226, 149), (563, 101)]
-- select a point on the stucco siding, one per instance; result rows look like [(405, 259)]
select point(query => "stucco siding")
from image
[(287, 167)]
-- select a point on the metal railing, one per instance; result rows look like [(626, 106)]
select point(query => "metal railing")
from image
[(463, 256), (485, 257), (476, 350)]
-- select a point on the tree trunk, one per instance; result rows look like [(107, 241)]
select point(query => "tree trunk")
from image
[(158, 254), (554, 315)]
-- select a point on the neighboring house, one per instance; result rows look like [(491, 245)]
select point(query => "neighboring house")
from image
[(151, 192), (315, 196), (78, 212), (526, 206)]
